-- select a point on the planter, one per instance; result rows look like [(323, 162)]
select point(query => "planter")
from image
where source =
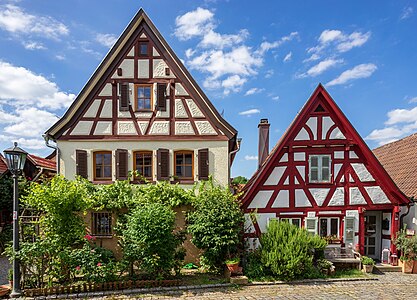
[(233, 267), (415, 267), (408, 266), (367, 268), (4, 290)]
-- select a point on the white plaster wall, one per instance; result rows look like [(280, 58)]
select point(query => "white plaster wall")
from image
[(282, 199), (143, 68), (326, 124), (319, 195), (128, 68), (362, 172), (377, 195), (411, 218), (218, 155), (338, 198), (301, 199), (312, 123), (107, 111), (299, 156), (355, 196), (275, 176), (302, 135), (93, 109), (261, 199)]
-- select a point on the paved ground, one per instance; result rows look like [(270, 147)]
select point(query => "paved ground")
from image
[(4, 268), (388, 286)]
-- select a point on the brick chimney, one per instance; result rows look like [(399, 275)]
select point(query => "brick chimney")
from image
[(263, 146)]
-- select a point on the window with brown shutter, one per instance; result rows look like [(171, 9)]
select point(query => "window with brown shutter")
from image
[(203, 164), (161, 92), (102, 161), (184, 165), (163, 164), (81, 163), (143, 97), (121, 164), (142, 161), (124, 97)]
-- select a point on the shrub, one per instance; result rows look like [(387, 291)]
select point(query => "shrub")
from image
[(215, 225), (254, 269), (148, 240), (287, 251)]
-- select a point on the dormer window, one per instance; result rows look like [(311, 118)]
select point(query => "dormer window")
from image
[(319, 166), (143, 49), (143, 97)]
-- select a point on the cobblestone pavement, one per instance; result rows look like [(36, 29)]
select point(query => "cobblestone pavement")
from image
[(388, 286)]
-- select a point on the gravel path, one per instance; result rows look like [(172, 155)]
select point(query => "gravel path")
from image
[(4, 268)]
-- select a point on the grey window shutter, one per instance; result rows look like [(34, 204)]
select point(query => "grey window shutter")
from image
[(203, 164), (349, 230), (311, 225), (161, 96), (122, 168), (81, 163), (124, 97), (163, 164)]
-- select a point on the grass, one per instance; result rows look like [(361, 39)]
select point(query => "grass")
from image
[(347, 273)]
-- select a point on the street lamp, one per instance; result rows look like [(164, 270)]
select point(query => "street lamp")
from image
[(15, 158)]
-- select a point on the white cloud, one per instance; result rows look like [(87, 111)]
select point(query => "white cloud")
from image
[(266, 46), (25, 143), (106, 39), (250, 112), (30, 45), (275, 98), (253, 91), (189, 52), (20, 86), (269, 73), (355, 39), (217, 40), (194, 23), (313, 57), (330, 35), (406, 13), (322, 67), (397, 116), (386, 135), (6, 117), (360, 71), (251, 157), (412, 100), (60, 57), (233, 84), (287, 57), (16, 21)]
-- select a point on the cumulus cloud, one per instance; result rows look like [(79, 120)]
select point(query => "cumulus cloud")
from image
[(253, 91), (106, 39), (360, 71), (251, 157), (322, 67), (250, 112), (194, 23), (16, 21), (26, 88)]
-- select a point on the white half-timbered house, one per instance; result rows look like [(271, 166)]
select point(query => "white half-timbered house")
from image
[(321, 175)]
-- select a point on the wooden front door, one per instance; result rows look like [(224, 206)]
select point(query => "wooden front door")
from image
[(373, 234)]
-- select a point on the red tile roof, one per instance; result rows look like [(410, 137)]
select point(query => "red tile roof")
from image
[(400, 161), (3, 165), (42, 162)]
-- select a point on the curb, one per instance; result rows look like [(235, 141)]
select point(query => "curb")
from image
[(310, 281)]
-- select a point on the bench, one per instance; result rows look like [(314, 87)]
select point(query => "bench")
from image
[(342, 257)]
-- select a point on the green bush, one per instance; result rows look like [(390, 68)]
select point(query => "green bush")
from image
[(365, 260), (287, 251), (254, 269), (148, 240), (215, 225)]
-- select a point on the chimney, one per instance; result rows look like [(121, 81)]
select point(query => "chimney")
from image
[(263, 146)]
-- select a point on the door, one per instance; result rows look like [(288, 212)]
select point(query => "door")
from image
[(373, 234)]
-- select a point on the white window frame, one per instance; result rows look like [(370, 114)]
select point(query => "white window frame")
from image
[(320, 168), (329, 224), (291, 221)]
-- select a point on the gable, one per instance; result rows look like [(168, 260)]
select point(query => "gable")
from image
[(174, 105), (321, 129)]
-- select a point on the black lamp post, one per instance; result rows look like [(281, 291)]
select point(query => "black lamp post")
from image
[(15, 158)]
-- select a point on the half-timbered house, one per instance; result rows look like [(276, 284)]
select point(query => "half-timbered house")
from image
[(322, 176), (141, 110)]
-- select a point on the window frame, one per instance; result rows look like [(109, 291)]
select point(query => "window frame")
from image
[(151, 97), (96, 178), (147, 48), (320, 168), (107, 232), (329, 226), (291, 221), (135, 163), (183, 152)]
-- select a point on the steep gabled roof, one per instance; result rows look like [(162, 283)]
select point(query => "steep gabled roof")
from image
[(106, 66), (320, 95), (399, 159)]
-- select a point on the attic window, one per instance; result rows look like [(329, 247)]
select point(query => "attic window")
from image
[(143, 49), (319, 108)]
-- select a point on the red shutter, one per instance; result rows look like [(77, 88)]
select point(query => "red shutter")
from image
[(161, 92), (163, 164), (203, 164), (124, 97), (81, 163), (122, 168)]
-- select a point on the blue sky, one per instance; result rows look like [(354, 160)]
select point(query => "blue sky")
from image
[(253, 61)]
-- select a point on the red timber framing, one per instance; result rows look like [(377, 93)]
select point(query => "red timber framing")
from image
[(113, 72), (281, 187)]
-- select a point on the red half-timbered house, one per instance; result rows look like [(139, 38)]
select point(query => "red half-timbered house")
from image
[(321, 175)]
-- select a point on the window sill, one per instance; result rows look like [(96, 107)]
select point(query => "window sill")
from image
[(183, 181), (143, 110), (102, 236), (150, 181), (102, 181)]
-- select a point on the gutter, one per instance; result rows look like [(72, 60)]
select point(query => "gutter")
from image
[(239, 141), (413, 201), (47, 138)]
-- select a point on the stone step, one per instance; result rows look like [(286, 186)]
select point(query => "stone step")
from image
[(388, 268)]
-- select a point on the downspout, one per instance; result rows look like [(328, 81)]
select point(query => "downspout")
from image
[(47, 139), (413, 201), (38, 175), (239, 141)]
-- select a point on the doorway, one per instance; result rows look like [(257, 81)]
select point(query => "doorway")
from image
[(373, 234)]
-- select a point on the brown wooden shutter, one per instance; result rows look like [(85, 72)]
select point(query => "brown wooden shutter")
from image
[(163, 164), (124, 97), (203, 164), (121, 164), (81, 163), (161, 93)]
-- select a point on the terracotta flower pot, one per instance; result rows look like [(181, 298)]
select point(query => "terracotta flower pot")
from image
[(408, 266), (415, 267), (233, 267), (368, 268)]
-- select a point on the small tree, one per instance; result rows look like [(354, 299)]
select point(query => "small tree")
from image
[(215, 224)]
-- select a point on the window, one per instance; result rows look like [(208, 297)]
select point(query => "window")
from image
[(293, 221), (143, 163), (101, 223), (102, 165), (143, 49), (329, 226), (184, 161), (143, 95), (319, 168)]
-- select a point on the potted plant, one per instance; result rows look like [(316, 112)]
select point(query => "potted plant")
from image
[(407, 264), (326, 267), (233, 264), (332, 239), (407, 246), (367, 263)]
